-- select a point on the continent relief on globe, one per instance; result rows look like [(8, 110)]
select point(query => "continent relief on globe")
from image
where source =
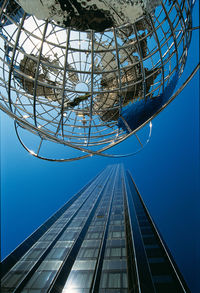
[(89, 14)]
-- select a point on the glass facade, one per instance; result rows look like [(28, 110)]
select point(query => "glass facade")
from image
[(103, 240)]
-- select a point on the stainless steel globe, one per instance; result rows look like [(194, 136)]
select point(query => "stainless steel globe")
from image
[(89, 90)]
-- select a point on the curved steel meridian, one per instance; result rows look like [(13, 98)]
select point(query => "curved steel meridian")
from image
[(90, 90), (99, 153)]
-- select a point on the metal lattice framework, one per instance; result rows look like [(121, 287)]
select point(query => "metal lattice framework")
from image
[(89, 90)]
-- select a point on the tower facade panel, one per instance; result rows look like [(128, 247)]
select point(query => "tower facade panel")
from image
[(102, 240)]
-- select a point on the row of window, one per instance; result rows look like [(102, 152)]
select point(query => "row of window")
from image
[(82, 271), (56, 253), (46, 271), (114, 280), (110, 252)]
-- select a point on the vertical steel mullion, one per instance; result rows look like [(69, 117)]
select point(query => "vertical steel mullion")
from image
[(141, 62), (184, 24), (118, 70), (63, 85), (30, 273), (99, 264), (160, 52), (12, 60), (37, 73), (145, 282), (172, 33), (64, 271), (119, 83), (92, 85), (189, 15)]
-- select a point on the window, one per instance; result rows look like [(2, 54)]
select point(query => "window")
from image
[(142, 217), (54, 230), (50, 265), (117, 222), (149, 246), (143, 220), (42, 244), (117, 211), (68, 235), (116, 234), (12, 279), (94, 235), (161, 268), (113, 280), (34, 253), (124, 280), (64, 244), (62, 221), (78, 280), (146, 230), (91, 243), (40, 280), (117, 228), (73, 229), (96, 229), (115, 252), (98, 223), (57, 253), (149, 239), (83, 265), (156, 260), (23, 266), (83, 213), (88, 253), (114, 265), (162, 279), (58, 225), (75, 225), (117, 217), (154, 252), (116, 243), (48, 237)]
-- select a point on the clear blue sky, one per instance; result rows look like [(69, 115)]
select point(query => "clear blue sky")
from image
[(166, 173)]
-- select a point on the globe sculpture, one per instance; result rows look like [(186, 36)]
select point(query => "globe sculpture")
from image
[(88, 75)]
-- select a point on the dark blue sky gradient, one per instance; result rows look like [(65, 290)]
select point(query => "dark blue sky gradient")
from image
[(166, 173)]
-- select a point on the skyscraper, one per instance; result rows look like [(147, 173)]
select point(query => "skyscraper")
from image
[(101, 240)]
